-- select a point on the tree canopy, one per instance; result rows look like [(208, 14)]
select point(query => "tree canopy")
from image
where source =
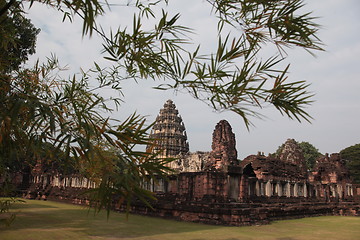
[(352, 156), (41, 107), (311, 153), (18, 37)]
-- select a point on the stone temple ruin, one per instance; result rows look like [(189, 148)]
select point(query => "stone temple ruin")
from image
[(215, 187), (171, 139), (170, 135), (255, 176)]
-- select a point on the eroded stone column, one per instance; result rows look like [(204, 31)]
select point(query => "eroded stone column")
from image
[(288, 189), (262, 188), (296, 190), (305, 190), (257, 188), (279, 189), (339, 189), (268, 189)]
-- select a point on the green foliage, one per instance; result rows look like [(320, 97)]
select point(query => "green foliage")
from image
[(352, 156), (310, 152), (230, 78), (44, 116), (43, 112), (88, 10), (18, 38)]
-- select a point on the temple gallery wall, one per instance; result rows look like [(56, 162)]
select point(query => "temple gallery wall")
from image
[(216, 187)]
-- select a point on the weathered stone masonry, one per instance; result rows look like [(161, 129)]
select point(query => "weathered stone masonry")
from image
[(215, 187)]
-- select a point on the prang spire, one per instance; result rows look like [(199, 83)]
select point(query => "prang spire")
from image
[(169, 132)]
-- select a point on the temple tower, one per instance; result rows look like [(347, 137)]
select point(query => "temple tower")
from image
[(292, 153), (169, 132), (223, 146)]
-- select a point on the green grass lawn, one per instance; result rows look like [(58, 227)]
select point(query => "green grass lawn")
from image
[(51, 220)]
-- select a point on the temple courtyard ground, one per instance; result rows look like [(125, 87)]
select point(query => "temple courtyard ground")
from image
[(51, 220)]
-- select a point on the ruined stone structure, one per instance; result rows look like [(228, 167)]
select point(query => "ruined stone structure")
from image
[(293, 154), (284, 176), (169, 134), (193, 162), (215, 187), (330, 177), (171, 141), (258, 177), (223, 152), (223, 190)]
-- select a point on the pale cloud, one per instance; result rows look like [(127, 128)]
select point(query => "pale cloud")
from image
[(334, 77)]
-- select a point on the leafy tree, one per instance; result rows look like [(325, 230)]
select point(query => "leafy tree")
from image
[(18, 37), (40, 107), (17, 41), (310, 152), (352, 156), (42, 112)]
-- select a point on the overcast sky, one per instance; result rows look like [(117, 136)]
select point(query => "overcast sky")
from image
[(334, 78)]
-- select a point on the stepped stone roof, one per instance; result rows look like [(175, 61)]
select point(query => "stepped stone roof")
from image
[(169, 132), (272, 168), (290, 165)]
